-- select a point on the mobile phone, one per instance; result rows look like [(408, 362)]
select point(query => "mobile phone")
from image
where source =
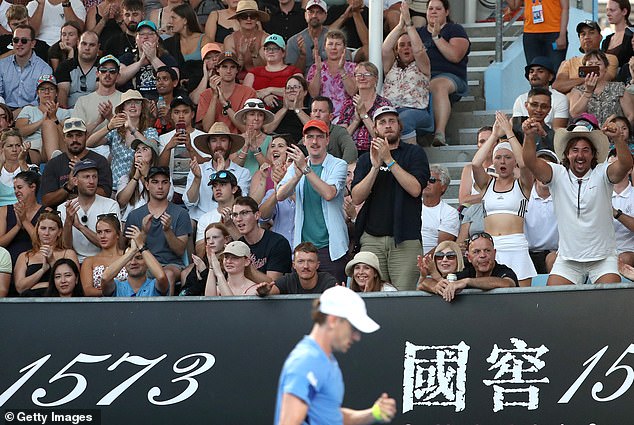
[(585, 70), (180, 128)]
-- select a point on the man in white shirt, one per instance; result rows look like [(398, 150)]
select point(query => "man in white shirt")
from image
[(623, 214), (441, 221)]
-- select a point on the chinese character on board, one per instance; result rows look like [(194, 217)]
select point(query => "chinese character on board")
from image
[(435, 375), (509, 380)]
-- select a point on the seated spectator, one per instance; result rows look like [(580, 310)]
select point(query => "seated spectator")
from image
[(219, 143), (66, 47), (540, 74), (224, 96), (340, 144), (12, 162), (124, 41), (540, 222), (440, 220), (270, 252), (623, 208), (248, 41), (407, 72), (538, 103), (185, 43), (334, 77), (482, 271), (505, 197), (356, 113), (290, 116), (365, 274), (619, 43), (40, 125), (447, 46), (6, 117), (195, 275), (77, 76), (137, 260), (6, 272), (445, 259), (17, 15), (599, 96), (568, 73), (210, 53), (220, 23), (33, 267), (80, 214), (141, 65), (131, 121), (225, 190), (178, 148), (20, 72), (105, 19), (47, 18), (624, 126), (269, 80), (64, 281), (305, 279), (108, 230), (236, 259), (167, 89), (468, 194), (162, 17), (254, 117), (318, 183), (165, 226), (57, 182)]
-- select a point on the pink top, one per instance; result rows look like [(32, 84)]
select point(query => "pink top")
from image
[(332, 85)]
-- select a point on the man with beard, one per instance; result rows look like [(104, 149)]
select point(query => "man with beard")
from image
[(138, 259), (104, 97), (224, 97), (57, 182), (581, 187), (176, 149), (540, 73), (80, 214), (390, 179), (482, 271), (300, 47), (219, 143), (340, 144), (124, 42), (318, 183), (166, 225), (77, 77)]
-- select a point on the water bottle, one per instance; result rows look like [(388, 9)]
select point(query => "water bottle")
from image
[(451, 277), (160, 103)]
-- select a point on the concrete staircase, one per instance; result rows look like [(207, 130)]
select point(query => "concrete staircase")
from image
[(469, 114)]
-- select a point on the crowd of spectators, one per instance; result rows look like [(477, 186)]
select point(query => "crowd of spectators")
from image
[(191, 149)]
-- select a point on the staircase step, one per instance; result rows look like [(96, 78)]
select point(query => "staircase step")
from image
[(488, 43), (487, 29), (452, 154)]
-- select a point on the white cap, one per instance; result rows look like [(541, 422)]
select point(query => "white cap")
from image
[(343, 302)]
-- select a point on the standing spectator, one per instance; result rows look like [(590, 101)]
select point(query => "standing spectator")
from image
[(19, 73), (301, 46), (340, 144), (619, 43), (47, 18), (545, 28), (318, 184), (66, 47), (389, 181), (77, 76), (80, 214), (124, 41), (286, 20), (440, 220), (584, 217), (468, 193), (407, 72), (166, 226), (448, 48), (57, 185)]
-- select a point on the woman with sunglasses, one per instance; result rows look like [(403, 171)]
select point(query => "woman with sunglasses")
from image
[(365, 273), (39, 125), (64, 281), (254, 116), (195, 275), (356, 113), (131, 121), (33, 268), (248, 41), (108, 231), (446, 259), (505, 198), (236, 259), (220, 23)]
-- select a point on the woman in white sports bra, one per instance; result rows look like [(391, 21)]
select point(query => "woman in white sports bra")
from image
[(505, 198)]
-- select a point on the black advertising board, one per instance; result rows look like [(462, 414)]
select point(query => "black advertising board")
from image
[(534, 356)]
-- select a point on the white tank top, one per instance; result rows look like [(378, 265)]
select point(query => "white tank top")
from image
[(509, 202)]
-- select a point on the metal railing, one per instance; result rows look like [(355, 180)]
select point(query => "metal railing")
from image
[(501, 28)]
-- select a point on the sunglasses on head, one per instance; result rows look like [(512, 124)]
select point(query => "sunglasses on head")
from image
[(258, 105), (21, 40), (219, 175), (448, 255), (479, 235), (102, 216), (72, 124)]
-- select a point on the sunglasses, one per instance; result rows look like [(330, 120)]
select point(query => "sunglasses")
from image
[(258, 105), (582, 123), (102, 216), (219, 175), (448, 255), (432, 180), (82, 83), (479, 235), (110, 71), (21, 40), (68, 124), (245, 16)]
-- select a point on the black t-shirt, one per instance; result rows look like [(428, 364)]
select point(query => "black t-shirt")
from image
[(500, 270), (119, 44), (286, 25), (289, 284), (381, 210), (145, 80), (271, 253)]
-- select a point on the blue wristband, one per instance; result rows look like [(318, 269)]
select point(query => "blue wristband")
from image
[(391, 164)]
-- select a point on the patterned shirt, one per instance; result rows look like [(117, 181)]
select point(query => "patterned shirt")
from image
[(332, 85), (406, 87), (122, 154)]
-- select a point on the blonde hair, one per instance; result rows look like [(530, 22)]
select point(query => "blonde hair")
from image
[(455, 248)]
